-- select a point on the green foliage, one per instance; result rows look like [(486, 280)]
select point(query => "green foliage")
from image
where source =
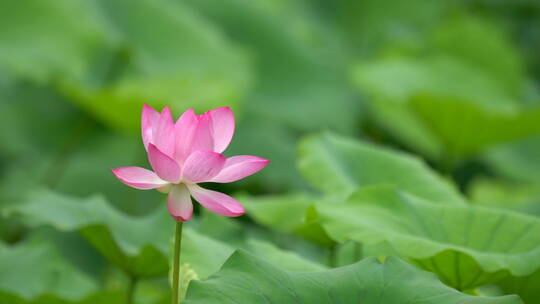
[(524, 198), (290, 214), (337, 165), (247, 279), (483, 47), (180, 61), (526, 287), (114, 66), (466, 246), (49, 41), (373, 25), (283, 259), (465, 95), (517, 161), (286, 60), (414, 101), (123, 240), (36, 270), (127, 242), (478, 127), (455, 241)]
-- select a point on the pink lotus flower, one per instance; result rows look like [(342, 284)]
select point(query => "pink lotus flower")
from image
[(186, 153)]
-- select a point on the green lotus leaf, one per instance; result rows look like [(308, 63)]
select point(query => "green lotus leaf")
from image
[(247, 279), (526, 287), (517, 160), (138, 245), (466, 246), (289, 213), (524, 198), (478, 128), (36, 270), (338, 165)]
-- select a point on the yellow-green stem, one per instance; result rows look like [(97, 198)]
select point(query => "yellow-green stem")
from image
[(176, 263)]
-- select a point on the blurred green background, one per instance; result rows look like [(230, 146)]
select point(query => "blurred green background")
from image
[(454, 82)]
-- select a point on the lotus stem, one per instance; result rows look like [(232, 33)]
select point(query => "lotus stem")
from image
[(176, 263)]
